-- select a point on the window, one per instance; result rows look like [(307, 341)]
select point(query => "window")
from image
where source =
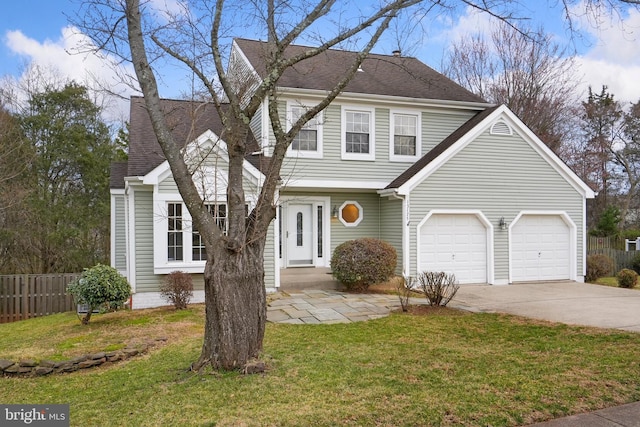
[(174, 232), (219, 213), (405, 136), (308, 142), (358, 135), (350, 213)]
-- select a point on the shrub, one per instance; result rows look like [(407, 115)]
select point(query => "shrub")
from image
[(438, 287), (598, 265), (404, 288), (362, 262), (100, 287), (627, 278), (177, 289)]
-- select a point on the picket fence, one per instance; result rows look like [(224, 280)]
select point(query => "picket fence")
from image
[(23, 296)]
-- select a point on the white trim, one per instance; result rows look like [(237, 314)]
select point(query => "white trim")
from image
[(276, 244), (483, 219), (354, 97), (360, 213), (315, 201), (527, 135), (334, 184), (406, 235), (266, 129), (572, 238), (112, 238), (371, 155), (207, 140), (130, 208), (318, 153), (404, 112)]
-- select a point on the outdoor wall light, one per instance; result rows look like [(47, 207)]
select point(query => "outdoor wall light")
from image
[(334, 211), (502, 224)]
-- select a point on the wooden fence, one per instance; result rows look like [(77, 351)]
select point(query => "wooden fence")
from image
[(31, 295), (613, 247)]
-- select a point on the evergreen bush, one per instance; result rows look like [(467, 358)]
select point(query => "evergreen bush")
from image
[(100, 287)]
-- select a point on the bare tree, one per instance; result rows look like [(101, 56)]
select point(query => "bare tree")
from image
[(524, 70), (197, 35)]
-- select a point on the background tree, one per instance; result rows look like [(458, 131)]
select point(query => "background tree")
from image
[(61, 221), (627, 156), (601, 131), (15, 155), (197, 35), (524, 70)]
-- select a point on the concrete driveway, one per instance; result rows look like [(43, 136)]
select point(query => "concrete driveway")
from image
[(566, 302)]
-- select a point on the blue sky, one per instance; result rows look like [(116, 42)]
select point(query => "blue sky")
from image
[(37, 31)]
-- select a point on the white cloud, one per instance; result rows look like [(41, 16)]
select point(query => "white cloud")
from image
[(88, 68), (472, 22), (613, 59)]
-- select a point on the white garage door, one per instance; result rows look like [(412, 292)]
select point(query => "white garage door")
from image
[(540, 249), (454, 243)]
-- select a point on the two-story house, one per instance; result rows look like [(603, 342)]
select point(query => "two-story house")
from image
[(403, 154)]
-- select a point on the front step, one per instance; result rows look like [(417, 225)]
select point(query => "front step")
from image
[(306, 278)]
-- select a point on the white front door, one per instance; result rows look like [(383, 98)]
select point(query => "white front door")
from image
[(299, 234)]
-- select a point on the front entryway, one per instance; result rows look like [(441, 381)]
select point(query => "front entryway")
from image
[(299, 234), (304, 231)]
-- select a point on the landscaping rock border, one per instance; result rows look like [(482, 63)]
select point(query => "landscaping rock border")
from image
[(29, 368)]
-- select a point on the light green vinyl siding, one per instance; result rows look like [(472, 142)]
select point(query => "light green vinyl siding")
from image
[(256, 125), (120, 236), (501, 176), (269, 259), (391, 226), (146, 281), (435, 127)]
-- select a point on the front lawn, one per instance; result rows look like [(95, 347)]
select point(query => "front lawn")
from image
[(446, 368), (611, 281)]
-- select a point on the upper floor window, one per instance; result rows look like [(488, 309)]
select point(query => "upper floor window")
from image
[(358, 138), (308, 142), (405, 136)]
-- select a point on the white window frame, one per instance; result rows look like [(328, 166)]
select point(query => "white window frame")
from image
[(392, 119), (161, 263), (371, 155), (316, 121), (360, 213)]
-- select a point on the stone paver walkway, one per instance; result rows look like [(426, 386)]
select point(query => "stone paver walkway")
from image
[(318, 306)]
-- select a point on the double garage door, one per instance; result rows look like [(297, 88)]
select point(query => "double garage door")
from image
[(457, 243)]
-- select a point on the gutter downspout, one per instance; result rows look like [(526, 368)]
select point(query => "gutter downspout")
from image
[(405, 231)]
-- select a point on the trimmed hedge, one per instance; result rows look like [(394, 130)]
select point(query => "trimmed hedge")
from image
[(363, 262)]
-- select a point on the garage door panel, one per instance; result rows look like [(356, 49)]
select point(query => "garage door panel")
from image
[(457, 244), (540, 248)]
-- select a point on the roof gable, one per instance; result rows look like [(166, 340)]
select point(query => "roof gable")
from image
[(381, 74), (187, 120), (465, 134)]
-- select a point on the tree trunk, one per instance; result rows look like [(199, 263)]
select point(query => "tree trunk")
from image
[(236, 311)]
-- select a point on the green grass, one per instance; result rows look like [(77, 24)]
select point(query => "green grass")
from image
[(611, 281), (440, 369)]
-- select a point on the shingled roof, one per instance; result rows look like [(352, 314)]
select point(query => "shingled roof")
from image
[(436, 151), (187, 120), (381, 74)]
